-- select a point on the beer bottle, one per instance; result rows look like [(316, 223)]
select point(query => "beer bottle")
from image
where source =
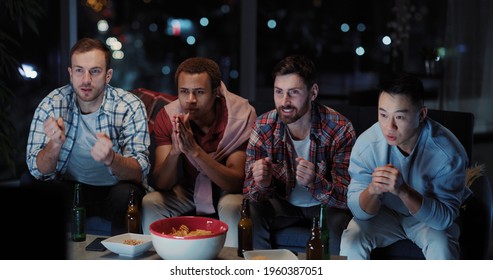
[(78, 216), (314, 244), (245, 229), (133, 214), (324, 232)]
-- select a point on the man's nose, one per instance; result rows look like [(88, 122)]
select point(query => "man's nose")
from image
[(87, 77), (191, 98), (286, 99), (391, 123)]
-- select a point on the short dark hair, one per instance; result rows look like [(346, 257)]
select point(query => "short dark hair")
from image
[(404, 84), (89, 44), (297, 64), (197, 65)]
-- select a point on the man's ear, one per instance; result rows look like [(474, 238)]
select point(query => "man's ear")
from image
[(423, 112), (314, 91), (109, 74)]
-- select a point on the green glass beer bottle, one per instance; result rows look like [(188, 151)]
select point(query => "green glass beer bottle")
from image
[(324, 232), (78, 216)]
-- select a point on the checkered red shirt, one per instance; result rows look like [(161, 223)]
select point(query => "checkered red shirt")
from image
[(332, 137)]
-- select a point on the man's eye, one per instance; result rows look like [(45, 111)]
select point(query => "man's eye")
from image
[(294, 92), (95, 71)]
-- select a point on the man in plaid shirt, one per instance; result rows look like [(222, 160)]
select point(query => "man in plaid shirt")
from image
[(91, 133), (297, 158)]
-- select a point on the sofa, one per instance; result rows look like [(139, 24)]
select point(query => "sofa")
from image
[(476, 217)]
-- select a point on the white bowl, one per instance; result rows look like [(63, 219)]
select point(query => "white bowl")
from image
[(275, 254), (204, 247), (116, 244)]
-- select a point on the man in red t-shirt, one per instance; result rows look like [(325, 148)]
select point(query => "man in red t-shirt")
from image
[(200, 149)]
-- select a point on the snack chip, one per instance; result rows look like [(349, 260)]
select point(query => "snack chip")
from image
[(183, 230)]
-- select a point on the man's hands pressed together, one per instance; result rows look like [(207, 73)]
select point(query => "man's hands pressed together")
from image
[(182, 138)]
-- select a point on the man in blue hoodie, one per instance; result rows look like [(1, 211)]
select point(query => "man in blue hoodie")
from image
[(408, 176)]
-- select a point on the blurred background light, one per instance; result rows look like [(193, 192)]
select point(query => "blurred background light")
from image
[(166, 70), (271, 23), (118, 55), (103, 25), (153, 27), (27, 71), (191, 40), (178, 27), (360, 51), (234, 74), (386, 40), (225, 9), (344, 27), (204, 21), (361, 27)]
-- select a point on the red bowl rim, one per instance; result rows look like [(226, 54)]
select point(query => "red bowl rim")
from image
[(169, 236)]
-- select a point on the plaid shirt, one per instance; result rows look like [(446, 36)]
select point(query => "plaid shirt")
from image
[(332, 137), (122, 117)]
